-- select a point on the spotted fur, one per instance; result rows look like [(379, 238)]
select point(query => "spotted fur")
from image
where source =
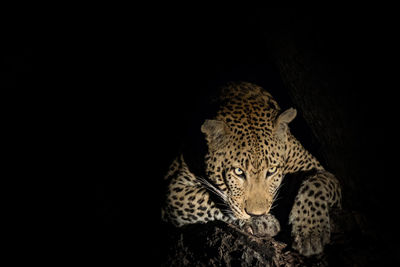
[(250, 150)]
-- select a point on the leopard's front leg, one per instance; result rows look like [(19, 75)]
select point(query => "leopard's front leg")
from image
[(310, 213), (187, 199)]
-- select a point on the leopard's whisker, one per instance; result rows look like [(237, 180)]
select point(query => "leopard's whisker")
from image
[(276, 193), (212, 188)]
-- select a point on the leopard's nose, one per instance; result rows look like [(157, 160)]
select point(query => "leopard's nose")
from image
[(255, 208), (254, 213)]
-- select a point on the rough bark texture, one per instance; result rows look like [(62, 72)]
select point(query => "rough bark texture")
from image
[(220, 244), (217, 244)]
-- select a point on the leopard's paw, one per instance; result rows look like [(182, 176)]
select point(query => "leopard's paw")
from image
[(310, 230), (262, 226)]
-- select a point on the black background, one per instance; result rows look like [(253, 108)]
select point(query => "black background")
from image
[(134, 83)]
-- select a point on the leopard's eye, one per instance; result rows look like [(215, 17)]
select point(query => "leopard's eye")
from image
[(239, 172), (271, 171)]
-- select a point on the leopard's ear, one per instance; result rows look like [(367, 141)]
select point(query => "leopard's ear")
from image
[(216, 133), (281, 126)]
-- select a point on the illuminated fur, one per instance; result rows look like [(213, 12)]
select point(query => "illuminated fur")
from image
[(250, 150)]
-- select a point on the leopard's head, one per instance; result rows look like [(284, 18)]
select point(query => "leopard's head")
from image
[(246, 166)]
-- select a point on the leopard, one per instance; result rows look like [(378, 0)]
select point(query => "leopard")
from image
[(250, 149)]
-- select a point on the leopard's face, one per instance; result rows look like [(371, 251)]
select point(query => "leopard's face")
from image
[(247, 143), (247, 173)]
